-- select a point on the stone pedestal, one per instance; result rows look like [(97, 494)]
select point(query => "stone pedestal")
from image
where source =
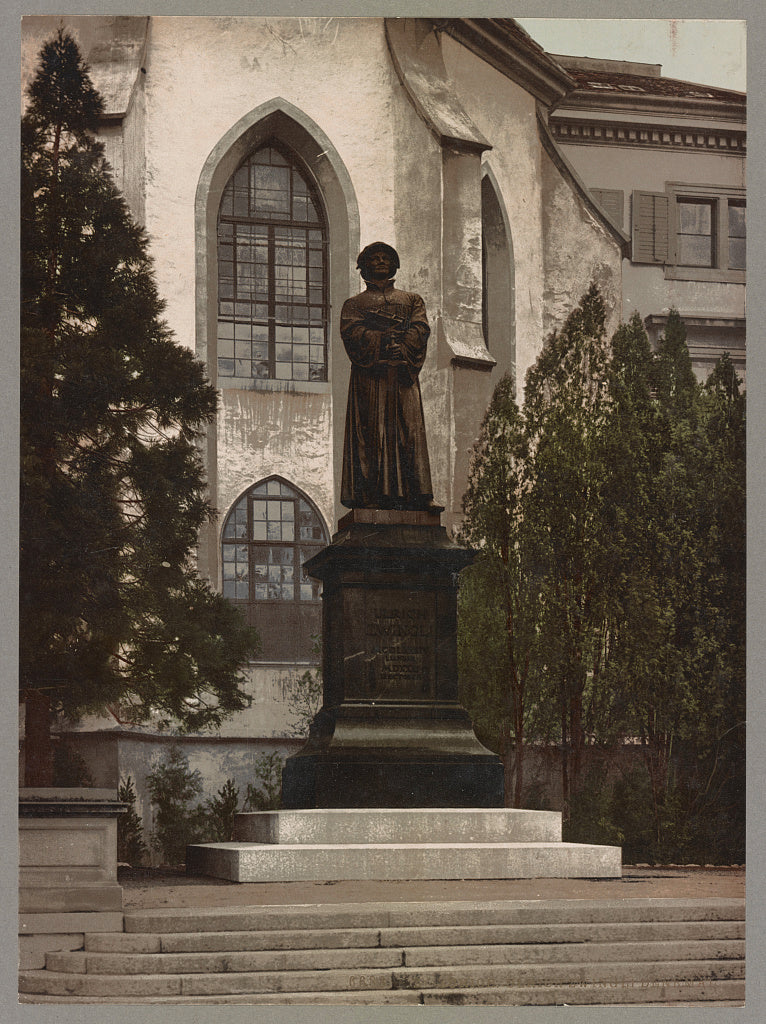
[(385, 843), (67, 869), (391, 732)]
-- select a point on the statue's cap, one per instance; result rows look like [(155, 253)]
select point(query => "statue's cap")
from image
[(375, 247)]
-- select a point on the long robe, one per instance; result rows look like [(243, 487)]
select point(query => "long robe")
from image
[(385, 454)]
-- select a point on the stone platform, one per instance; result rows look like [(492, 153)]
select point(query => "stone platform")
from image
[(385, 843)]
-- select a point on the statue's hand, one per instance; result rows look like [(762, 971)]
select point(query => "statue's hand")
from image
[(394, 351)]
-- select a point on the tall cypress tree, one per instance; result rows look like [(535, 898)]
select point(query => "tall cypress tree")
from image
[(499, 594), (566, 405), (112, 484)]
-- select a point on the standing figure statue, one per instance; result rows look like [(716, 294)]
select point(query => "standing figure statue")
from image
[(385, 332)]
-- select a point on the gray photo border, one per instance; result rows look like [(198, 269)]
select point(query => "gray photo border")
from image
[(754, 12)]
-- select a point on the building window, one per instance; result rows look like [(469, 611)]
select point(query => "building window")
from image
[(737, 237), (267, 536), (272, 273), (497, 299), (695, 236), (697, 232)]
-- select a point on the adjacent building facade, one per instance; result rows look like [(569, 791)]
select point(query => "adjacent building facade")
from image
[(666, 161), (261, 155)]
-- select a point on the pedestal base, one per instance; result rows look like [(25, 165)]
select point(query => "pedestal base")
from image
[(391, 732), (324, 781)]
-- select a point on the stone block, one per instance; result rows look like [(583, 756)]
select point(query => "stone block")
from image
[(391, 732), (378, 825), (56, 923), (248, 862), (67, 865), (75, 898), (33, 948)]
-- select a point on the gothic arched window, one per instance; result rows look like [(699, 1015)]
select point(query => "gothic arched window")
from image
[(497, 272), (267, 536), (272, 273)]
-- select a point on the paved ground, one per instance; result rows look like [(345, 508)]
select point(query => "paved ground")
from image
[(144, 890)]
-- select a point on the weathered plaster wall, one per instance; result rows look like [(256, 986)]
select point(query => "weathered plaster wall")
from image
[(417, 236), (112, 756), (276, 432), (578, 250), (134, 152), (505, 115), (204, 74)]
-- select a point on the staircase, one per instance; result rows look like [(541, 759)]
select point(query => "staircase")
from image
[(541, 952)]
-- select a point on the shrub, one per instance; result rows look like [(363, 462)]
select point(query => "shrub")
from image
[(266, 794), (176, 823), (220, 811), (131, 848)]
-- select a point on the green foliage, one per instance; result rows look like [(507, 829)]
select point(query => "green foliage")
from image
[(221, 810), (70, 768), (177, 823), (607, 602), (266, 793), (499, 593), (304, 699), (131, 848), (113, 412), (566, 407), (667, 828), (591, 813)]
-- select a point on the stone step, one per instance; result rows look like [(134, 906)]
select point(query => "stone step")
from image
[(661, 993), (264, 862), (432, 914), (646, 931), (227, 962), (572, 952), (337, 938), (384, 825), (417, 956), (570, 976), (690, 993), (567, 973), (63, 983), (526, 952)]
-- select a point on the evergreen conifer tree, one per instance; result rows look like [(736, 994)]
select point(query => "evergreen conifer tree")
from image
[(499, 593), (112, 484), (566, 405)]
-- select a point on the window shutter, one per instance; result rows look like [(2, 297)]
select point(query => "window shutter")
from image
[(651, 217), (611, 201)]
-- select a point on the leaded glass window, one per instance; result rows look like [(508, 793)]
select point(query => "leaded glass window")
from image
[(272, 273), (267, 536)]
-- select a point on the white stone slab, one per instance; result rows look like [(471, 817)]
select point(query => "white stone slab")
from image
[(429, 825), (257, 862)]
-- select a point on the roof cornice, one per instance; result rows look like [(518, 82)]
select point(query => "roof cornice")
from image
[(669, 106), (507, 47), (638, 134)]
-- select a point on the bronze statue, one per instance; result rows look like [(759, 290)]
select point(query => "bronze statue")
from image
[(385, 332)]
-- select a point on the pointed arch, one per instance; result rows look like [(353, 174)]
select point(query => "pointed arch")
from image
[(277, 119), (292, 129), (267, 535), (273, 294), (498, 277)]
